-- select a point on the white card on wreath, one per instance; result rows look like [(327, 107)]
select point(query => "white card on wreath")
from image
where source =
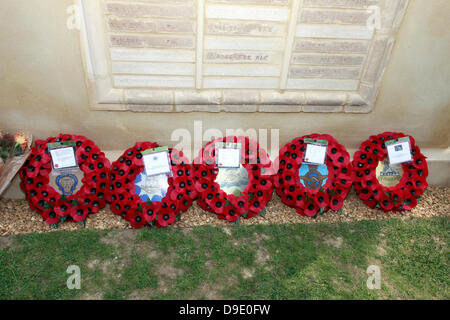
[(157, 163), (63, 158), (229, 157), (315, 153), (399, 150)]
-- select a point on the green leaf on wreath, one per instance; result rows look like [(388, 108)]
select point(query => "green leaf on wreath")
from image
[(63, 197), (177, 217), (227, 203), (263, 212), (56, 225), (322, 210), (83, 223), (341, 211), (245, 214), (62, 219), (321, 189), (75, 202), (139, 208), (251, 195), (238, 221), (47, 205), (237, 193), (149, 202)]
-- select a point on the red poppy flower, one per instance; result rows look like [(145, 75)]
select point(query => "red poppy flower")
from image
[(51, 217), (397, 196), (150, 211), (239, 203), (386, 203), (321, 199), (231, 213), (409, 202), (137, 221), (62, 208), (336, 202), (310, 209), (78, 213), (166, 218)]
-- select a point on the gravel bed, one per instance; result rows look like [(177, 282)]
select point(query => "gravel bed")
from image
[(17, 218)]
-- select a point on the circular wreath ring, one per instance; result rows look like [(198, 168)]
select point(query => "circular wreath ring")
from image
[(127, 203), (50, 204), (307, 201), (402, 196), (249, 203)]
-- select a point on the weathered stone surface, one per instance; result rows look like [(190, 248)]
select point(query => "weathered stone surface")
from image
[(172, 26), (126, 81), (158, 97), (325, 108), (243, 43), (240, 82), (245, 28), (334, 31), (130, 25), (151, 41), (239, 108), (184, 97), (241, 55), (323, 84), (280, 108), (289, 98), (325, 99), (240, 97), (331, 46), (241, 70), (357, 4), (197, 108), (327, 59), (247, 13), (281, 2), (150, 55), (158, 68), (226, 56), (338, 17), (377, 60), (144, 10), (150, 108), (324, 72)]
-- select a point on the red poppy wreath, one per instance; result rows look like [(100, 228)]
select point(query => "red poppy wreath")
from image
[(388, 188), (67, 204), (241, 192), (155, 201), (311, 188)]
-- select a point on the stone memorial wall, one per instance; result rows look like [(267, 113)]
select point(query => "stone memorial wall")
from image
[(236, 55)]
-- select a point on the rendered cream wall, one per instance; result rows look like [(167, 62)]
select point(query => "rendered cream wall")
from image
[(43, 88)]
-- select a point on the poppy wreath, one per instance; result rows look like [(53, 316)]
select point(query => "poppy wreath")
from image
[(50, 204), (405, 194), (310, 201), (248, 203), (126, 202)]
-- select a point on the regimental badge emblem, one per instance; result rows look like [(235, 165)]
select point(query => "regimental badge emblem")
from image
[(152, 188), (66, 183), (388, 175), (313, 176)]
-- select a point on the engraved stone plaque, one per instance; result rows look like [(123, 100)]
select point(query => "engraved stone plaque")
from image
[(278, 55)]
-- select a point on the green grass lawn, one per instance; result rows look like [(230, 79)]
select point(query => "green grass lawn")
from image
[(301, 261)]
